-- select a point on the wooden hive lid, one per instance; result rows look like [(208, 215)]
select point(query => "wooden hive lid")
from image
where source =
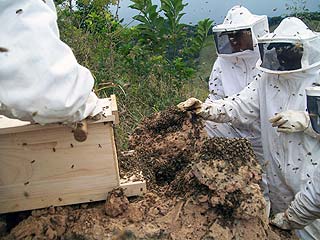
[(109, 114)]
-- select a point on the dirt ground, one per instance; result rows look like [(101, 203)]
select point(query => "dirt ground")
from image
[(198, 188)]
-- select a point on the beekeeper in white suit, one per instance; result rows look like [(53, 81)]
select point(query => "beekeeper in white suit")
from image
[(40, 79), (305, 208), (235, 67), (290, 60)]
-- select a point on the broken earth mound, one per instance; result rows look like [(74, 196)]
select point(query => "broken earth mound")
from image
[(198, 189), (228, 173)]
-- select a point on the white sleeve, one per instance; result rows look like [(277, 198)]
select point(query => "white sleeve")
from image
[(305, 208), (241, 109), (40, 79), (215, 83)]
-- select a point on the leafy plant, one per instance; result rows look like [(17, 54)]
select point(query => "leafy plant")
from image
[(202, 32), (151, 25), (172, 9), (167, 35)]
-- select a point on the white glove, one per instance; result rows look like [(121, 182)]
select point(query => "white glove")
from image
[(191, 104), (208, 111), (290, 121), (280, 220)]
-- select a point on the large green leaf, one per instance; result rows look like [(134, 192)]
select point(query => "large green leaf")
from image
[(140, 18)]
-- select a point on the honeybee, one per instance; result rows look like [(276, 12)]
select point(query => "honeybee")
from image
[(2, 49)]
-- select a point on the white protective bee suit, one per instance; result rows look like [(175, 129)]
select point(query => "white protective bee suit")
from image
[(40, 79), (234, 71), (305, 208), (291, 157)]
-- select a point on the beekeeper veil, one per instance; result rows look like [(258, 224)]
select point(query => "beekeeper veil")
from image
[(292, 47), (239, 31)]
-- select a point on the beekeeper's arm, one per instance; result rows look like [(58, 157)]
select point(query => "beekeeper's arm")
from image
[(241, 109), (215, 84), (304, 209), (40, 79)]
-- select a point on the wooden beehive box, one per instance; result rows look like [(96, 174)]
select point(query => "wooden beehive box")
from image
[(41, 166)]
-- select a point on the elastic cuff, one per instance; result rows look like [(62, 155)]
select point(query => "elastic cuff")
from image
[(310, 132)]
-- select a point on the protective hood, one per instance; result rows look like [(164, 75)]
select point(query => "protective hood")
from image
[(238, 17), (240, 25), (292, 47)]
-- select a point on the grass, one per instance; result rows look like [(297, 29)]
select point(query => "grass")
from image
[(199, 84), (207, 58)]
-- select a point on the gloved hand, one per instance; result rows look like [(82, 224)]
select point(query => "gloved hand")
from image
[(191, 104), (281, 220), (208, 111), (290, 121)]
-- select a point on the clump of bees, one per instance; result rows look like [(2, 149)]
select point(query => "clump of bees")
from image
[(220, 171)]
